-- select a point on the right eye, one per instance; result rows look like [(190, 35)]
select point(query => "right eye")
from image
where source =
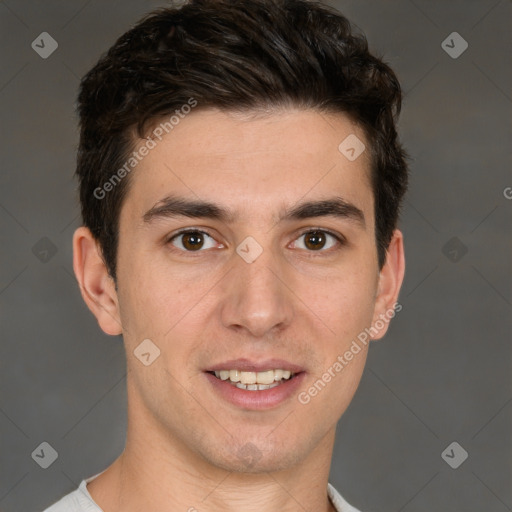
[(191, 240)]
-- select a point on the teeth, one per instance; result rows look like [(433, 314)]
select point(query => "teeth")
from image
[(254, 387), (278, 374), (234, 375), (265, 377), (254, 380), (248, 377)]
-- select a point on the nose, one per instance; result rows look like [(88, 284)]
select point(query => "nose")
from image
[(257, 296)]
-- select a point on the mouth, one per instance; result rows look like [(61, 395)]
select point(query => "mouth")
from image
[(254, 381), (255, 386)]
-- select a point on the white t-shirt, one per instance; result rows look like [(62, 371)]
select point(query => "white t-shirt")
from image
[(81, 501)]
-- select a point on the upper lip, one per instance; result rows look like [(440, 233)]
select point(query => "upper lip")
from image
[(246, 365)]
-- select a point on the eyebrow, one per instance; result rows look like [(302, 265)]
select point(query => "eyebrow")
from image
[(172, 206)]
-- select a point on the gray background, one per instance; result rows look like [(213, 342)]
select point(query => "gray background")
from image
[(441, 374)]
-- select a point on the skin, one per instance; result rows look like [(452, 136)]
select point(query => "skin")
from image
[(203, 307)]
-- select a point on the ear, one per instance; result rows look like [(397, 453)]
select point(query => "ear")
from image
[(390, 281), (97, 286)]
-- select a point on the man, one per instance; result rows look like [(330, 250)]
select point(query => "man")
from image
[(240, 183)]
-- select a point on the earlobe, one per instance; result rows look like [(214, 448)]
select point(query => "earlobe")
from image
[(390, 281), (96, 285)]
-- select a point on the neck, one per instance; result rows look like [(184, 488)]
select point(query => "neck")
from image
[(145, 480)]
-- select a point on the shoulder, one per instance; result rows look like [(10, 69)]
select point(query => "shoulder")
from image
[(77, 501), (338, 501)]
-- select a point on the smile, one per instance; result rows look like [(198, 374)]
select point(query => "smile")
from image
[(255, 385), (254, 381)]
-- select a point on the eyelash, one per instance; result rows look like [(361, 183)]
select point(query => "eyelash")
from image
[(339, 238)]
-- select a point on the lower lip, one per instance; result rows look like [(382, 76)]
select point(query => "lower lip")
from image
[(256, 400)]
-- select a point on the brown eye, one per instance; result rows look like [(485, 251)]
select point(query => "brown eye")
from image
[(318, 240), (315, 240), (193, 240)]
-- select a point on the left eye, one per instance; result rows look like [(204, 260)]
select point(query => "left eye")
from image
[(192, 241), (317, 240)]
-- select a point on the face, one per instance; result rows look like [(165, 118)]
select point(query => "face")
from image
[(276, 270)]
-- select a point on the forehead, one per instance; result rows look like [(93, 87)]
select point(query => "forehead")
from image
[(256, 164)]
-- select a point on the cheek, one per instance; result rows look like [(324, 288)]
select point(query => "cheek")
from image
[(166, 308), (143, 299), (345, 302), (348, 309)]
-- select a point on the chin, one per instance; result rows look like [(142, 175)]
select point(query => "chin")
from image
[(255, 456)]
